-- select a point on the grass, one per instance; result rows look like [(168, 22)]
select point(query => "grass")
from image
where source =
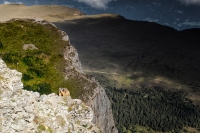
[(41, 128), (1, 91), (43, 69)]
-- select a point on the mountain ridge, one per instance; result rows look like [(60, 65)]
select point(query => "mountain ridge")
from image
[(51, 13), (128, 47)]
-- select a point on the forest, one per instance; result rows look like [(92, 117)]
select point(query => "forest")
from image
[(156, 108)]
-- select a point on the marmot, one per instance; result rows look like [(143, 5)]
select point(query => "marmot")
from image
[(64, 92)]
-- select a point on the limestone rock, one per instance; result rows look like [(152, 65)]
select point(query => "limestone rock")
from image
[(29, 46), (101, 105), (27, 111), (71, 56), (98, 100), (96, 97)]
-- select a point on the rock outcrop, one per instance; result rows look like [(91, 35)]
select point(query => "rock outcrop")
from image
[(103, 112), (92, 94), (27, 111), (95, 95), (29, 47)]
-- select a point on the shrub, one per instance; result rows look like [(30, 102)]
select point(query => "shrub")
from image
[(42, 88), (26, 77), (1, 45)]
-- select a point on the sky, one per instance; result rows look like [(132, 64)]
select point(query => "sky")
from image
[(179, 14)]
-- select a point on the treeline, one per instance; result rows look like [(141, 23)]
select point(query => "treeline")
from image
[(159, 109)]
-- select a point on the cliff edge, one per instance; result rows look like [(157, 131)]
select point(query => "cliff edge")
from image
[(47, 63), (27, 111), (94, 96)]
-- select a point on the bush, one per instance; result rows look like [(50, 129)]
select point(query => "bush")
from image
[(42, 88), (1, 45), (11, 58), (26, 77), (36, 72)]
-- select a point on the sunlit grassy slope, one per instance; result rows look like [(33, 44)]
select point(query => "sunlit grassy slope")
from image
[(52, 13), (42, 68)]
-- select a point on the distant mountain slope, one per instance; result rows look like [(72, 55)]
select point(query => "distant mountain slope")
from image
[(143, 54), (49, 12)]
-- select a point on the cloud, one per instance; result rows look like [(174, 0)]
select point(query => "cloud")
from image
[(150, 20), (179, 11), (7, 2), (158, 4), (188, 2), (127, 6), (189, 23), (192, 23), (99, 4)]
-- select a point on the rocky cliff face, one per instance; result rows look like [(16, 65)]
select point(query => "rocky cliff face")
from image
[(47, 108), (103, 112), (94, 96), (26, 111)]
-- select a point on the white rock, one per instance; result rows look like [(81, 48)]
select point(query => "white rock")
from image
[(16, 127), (26, 111)]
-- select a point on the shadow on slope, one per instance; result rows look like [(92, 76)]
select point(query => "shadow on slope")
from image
[(117, 45)]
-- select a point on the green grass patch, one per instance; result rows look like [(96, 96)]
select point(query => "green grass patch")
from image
[(42, 68)]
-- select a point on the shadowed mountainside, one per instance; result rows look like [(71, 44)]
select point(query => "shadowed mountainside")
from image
[(136, 53)]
